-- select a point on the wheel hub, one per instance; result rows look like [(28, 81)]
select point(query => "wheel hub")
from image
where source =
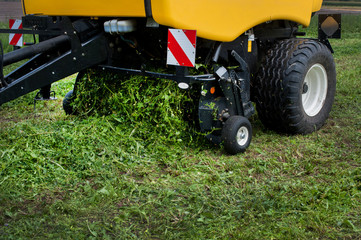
[(314, 90), (305, 88), (242, 136)]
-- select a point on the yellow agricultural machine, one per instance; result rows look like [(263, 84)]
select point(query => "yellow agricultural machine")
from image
[(252, 49)]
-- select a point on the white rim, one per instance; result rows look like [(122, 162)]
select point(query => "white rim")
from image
[(314, 90), (242, 136)]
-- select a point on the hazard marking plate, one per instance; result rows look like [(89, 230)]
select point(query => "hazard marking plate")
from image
[(15, 39), (181, 47)]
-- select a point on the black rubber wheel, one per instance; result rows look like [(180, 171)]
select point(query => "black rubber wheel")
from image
[(295, 86), (236, 134), (68, 103)]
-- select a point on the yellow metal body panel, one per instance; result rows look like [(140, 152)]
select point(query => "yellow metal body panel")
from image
[(221, 20), (225, 20), (92, 8)]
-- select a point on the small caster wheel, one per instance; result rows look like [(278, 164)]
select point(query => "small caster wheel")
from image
[(236, 134), (68, 103)]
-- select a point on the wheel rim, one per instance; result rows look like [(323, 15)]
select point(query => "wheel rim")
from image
[(314, 90), (242, 136)]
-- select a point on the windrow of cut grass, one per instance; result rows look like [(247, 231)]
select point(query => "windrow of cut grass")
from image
[(113, 175), (153, 105)]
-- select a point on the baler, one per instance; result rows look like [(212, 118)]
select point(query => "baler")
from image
[(251, 50)]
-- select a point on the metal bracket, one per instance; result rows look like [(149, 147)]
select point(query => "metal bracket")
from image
[(179, 78), (43, 70), (243, 65), (39, 97), (329, 26), (244, 86)]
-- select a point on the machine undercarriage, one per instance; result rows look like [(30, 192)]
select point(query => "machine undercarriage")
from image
[(229, 71)]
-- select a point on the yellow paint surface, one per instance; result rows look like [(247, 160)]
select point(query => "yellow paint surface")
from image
[(92, 8), (225, 20), (221, 20)]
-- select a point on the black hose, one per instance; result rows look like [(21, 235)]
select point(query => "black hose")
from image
[(28, 52)]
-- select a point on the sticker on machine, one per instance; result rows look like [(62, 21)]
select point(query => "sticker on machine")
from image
[(181, 49), (15, 39)]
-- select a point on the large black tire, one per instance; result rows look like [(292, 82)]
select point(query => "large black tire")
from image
[(295, 86), (236, 134)]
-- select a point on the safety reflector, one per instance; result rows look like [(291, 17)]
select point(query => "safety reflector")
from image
[(181, 47), (15, 39), (329, 26)]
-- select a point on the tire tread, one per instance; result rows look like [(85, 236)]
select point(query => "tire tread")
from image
[(277, 85)]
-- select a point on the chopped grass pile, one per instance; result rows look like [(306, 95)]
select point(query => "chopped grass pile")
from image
[(153, 108)]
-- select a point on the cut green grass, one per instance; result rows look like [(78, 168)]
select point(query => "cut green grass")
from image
[(97, 177)]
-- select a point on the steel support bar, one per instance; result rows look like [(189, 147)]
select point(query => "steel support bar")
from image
[(28, 52), (32, 32), (90, 54), (174, 77)]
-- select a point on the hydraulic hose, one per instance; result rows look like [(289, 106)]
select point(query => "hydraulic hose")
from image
[(28, 52)]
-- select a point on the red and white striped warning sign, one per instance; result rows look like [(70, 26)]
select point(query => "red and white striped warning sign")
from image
[(181, 47), (15, 39)]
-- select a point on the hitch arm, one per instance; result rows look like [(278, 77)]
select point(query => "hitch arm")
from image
[(41, 70)]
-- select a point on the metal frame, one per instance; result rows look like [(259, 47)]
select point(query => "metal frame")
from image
[(52, 59), (45, 69), (51, 64), (322, 35), (180, 77)]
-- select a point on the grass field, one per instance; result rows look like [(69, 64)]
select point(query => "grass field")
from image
[(106, 178)]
